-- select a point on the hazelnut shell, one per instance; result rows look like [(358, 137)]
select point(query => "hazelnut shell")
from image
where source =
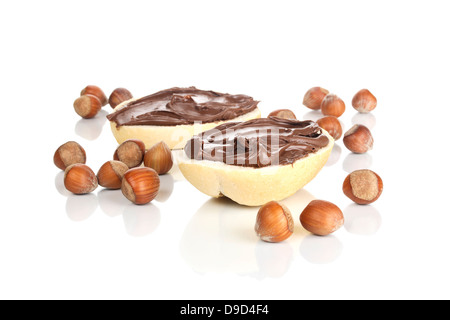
[(363, 186), (111, 173), (69, 153), (95, 91), (131, 152), (321, 217), (140, 185), (274, 222), (80, 179), (159, 158)]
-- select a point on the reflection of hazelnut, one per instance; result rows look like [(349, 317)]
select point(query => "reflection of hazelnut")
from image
[(111, 173), (87, 106), (274, 222), (363, 186), (313, 97), (80, 179), (95, 91), (332, 125), (69, 153), (321, 217), (131, 152), (332, 105), (364, 101), (283, 114), (140, 185), (118, 96), (358, 139)]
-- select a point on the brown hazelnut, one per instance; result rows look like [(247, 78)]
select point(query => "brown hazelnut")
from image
[(111, 173), (140, 185), (313, 97), (131, 152), (332, 125), (358, 139), (363, 186), (69, 153), (159, 158), (95, 91), (87, 106), (321, 217), (332, 105), (80, 179), (364, 101), (118, 96), (283, 114), (274, 222)]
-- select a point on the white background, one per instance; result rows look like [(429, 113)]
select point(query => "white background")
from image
[(184, 245)]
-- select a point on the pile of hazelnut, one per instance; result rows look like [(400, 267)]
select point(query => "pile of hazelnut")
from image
[(139, 184), (274, 222), (92, 99), (133, 169)]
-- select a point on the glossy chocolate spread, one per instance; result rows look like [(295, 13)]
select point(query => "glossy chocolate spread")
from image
[(258, 143), (177, 106)]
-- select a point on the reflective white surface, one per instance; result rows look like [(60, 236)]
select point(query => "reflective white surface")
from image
[(185, 245)]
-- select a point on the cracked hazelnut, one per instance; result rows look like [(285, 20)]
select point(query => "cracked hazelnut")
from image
[(332, 125), (363, 186), (332, 105), (131, 152), (118, 96), (321, 217), (95, 91), (313, 97), (69, 153), (358, 139), (274, 222), (364, 101)]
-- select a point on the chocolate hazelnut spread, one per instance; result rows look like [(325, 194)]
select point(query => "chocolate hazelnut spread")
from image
[(258, 143), (178, 106)]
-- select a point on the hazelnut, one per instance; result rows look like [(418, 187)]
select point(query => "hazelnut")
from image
[(332, 105), (87, 106), (283, 114), (159, 158), (332, 125), (95, 91), (363, 186), (358, 139), (80, 179), (313, 97), (131, 152), (111, 173), (274, 222), (364, 101), (69, 153), (140, 185), (118, 96), (321, 217)]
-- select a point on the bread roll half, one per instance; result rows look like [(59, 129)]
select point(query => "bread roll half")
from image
[(252, 186), (175, 136)]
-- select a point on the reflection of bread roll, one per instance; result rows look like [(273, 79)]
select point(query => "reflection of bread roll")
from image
[(253, 186)]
